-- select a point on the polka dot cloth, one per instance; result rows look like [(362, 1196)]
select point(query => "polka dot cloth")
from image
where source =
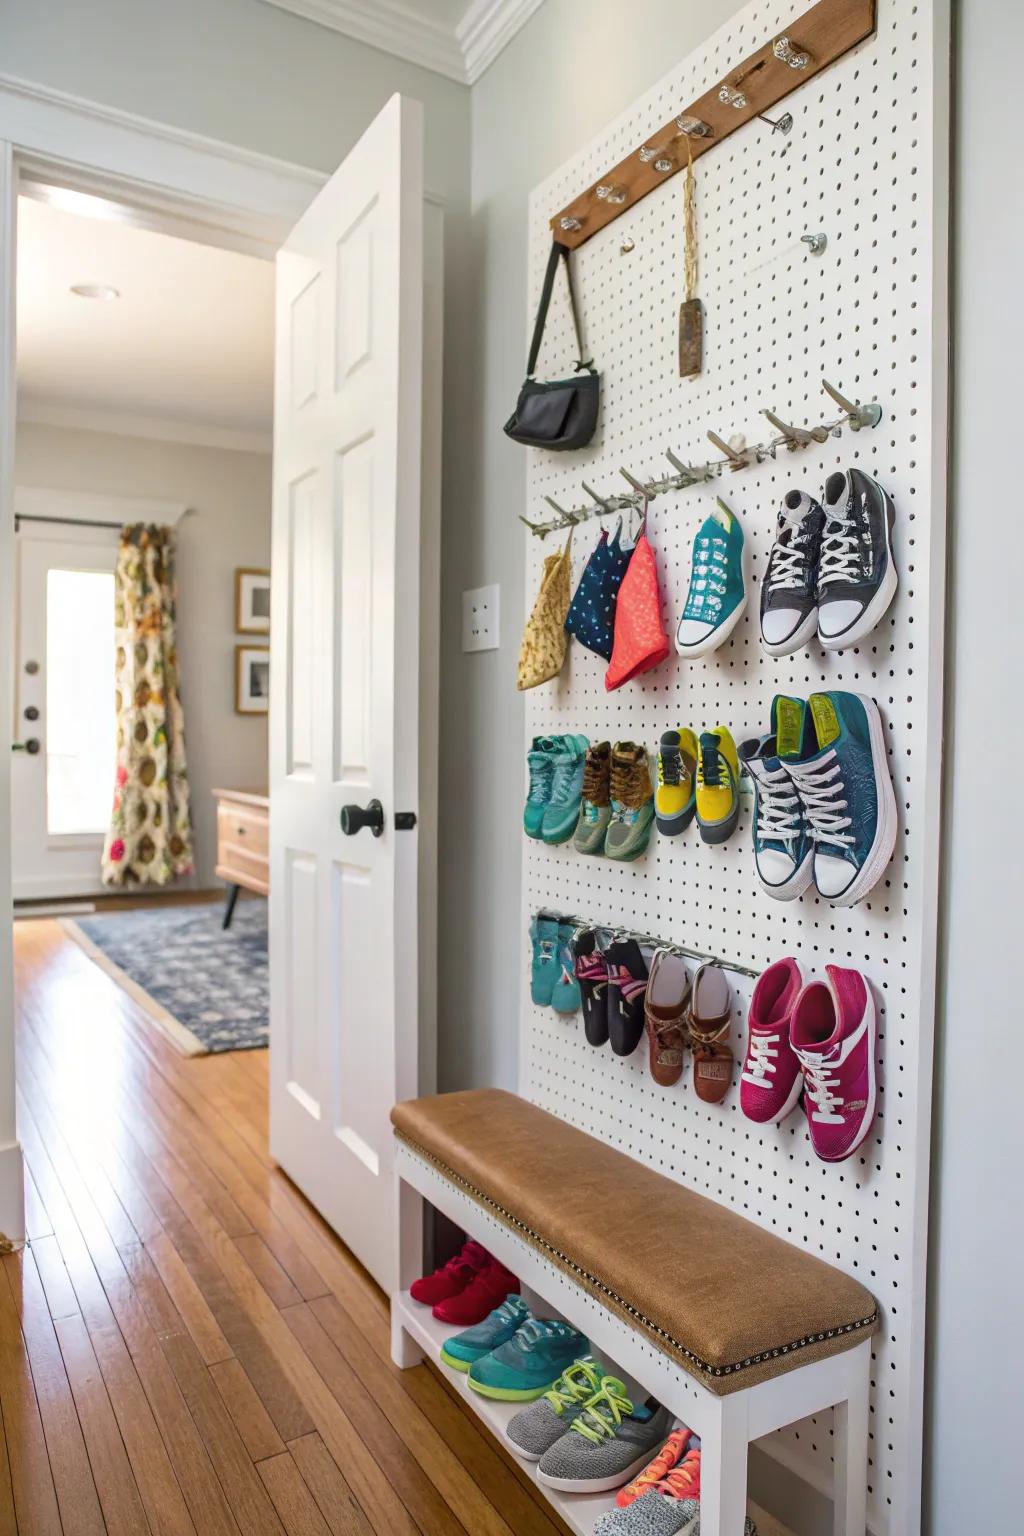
[(591, 615)]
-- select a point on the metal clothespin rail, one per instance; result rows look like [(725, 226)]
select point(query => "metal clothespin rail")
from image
[(854, 416), (651, 941)]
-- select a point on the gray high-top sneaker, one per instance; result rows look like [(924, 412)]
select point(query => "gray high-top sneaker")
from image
[(607, 1444)]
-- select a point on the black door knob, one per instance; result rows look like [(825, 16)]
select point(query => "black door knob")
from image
[(355, 817), (31, 746)]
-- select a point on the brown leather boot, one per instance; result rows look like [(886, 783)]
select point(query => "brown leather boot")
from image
[(665, 1016), (708, 1019)]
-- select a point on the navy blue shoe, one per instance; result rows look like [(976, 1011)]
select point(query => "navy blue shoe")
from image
[(783, 845), (847, 796)]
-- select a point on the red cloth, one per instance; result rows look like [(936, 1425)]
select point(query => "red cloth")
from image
[(640, 639)]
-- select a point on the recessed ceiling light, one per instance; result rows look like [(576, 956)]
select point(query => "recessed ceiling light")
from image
[(95, 291)]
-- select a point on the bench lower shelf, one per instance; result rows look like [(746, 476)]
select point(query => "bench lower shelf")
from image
[(580, 1512)]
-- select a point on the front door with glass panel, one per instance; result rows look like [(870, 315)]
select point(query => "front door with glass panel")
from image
[(64, 760)]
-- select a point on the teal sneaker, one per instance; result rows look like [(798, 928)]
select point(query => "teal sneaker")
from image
[(718, 589), (540, 760), (544, 969), (596, 800), (563, 807), (530, 1363), (629, 830), (565, 998), (463, 1349)]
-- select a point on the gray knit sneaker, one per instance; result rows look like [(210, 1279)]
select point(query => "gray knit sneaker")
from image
[(655, 1515), (534, 1430), (607, 1444)]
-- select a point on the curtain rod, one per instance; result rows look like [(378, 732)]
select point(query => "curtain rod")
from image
[(73, 522)]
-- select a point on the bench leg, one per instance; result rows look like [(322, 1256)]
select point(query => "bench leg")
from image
[(405, 1351), (850, 1433), (723, 1470)]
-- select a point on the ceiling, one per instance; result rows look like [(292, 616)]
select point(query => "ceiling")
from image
[(186, 352), (457, 38)]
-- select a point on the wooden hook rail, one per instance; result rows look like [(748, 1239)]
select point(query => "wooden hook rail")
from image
[(810, 44)]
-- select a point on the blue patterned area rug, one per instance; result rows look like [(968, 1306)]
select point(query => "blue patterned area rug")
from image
[(207, 989)]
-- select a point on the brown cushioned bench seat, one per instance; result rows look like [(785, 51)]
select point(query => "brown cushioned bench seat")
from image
[(732, 1303)]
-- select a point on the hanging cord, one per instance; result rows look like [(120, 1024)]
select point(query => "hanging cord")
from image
[(690, 221)]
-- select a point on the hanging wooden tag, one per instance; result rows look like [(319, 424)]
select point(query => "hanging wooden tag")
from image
[(691, 337)]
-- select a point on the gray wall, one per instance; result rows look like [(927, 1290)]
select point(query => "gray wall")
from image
[(229, 493), (554, 87)]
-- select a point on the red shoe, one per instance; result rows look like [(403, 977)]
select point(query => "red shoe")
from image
[(452, 1278), (485, 1292)]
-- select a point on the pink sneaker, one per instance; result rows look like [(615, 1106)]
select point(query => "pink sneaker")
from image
[(833, 1032), (770, 1083)]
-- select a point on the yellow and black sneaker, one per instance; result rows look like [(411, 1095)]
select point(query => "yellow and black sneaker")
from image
[(718, 785), (675, 799)]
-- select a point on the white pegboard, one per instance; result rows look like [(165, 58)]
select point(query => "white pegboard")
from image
[(866, 164)]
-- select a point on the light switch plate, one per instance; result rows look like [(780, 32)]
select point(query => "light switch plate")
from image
[(480, 619)]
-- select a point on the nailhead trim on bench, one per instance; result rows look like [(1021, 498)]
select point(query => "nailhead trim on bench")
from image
[(540, 1242)]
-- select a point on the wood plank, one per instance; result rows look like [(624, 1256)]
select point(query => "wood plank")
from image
[(8, 1518), (56, 1282), (251, 1419), (267, 1271), (295, 1504), (69, 1462), (37, 1222), (35, 1499), (325, 1481)]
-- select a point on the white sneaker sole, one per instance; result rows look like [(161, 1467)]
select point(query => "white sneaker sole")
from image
[(717, 636), (597, 1484), (874, 866), (875, 612), (799, 882)]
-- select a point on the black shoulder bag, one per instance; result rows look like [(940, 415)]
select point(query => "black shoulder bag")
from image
[(562, 414)]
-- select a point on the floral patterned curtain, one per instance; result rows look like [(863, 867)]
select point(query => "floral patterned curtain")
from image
[(150, 837)]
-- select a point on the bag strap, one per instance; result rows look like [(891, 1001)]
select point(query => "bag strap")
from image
[(557, 251)]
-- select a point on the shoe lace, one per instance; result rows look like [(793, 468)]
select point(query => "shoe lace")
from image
[(670, 765), (762, 1059), (540, 766), (594, 779), (562, 787), (682, 1482), (779, 817), (712, 763), (509, 1311), (820, 787), (604, 1412), (791, 555), (663, 1463), (845, 548), (582, 1379), (820, 1082), (534, 1329)]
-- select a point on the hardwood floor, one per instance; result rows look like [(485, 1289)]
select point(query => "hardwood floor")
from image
[(185, 1347)]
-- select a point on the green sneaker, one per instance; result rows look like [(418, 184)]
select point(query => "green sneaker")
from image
[(563, 808), (473, 1344), (530, 1363), (596, 809), (629, 830), (544, 969), (540, 760), (534, 1430)]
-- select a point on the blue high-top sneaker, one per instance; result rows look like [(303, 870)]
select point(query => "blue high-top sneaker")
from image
[(544, 968), (718, 589), (783, 846), (847, 796), (540, 760), (563, 807)]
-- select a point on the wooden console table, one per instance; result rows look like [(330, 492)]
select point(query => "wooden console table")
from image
[(243, 844)]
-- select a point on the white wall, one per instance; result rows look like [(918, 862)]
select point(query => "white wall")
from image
[(230, 494)]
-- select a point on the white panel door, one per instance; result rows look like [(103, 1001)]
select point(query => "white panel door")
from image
[(344, 720)]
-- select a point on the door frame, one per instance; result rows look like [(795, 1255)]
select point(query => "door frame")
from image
[(216, 193)]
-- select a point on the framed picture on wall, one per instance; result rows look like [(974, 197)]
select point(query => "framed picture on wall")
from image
[(252, 602), (252, 679)]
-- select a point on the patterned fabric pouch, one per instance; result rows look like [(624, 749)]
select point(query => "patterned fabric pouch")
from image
[(543, 649), (640, 638), (592, 611)]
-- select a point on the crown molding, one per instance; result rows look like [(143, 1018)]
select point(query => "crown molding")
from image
[(158, 429), (461, 53), (487, 27)]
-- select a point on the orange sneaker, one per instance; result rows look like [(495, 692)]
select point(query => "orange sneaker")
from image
[(683, 1481), (668, 1457)]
